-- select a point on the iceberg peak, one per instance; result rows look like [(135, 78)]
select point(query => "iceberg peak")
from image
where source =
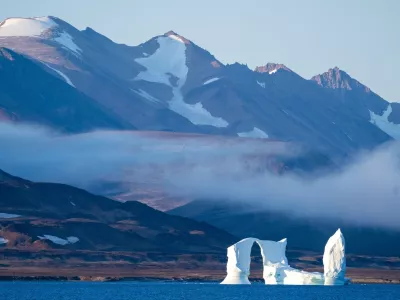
[(335, 259)]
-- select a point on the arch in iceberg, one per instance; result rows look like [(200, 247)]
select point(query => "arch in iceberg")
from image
[(239, 258), (276, 269)]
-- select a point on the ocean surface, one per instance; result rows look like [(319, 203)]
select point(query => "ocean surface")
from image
[(196, 291)]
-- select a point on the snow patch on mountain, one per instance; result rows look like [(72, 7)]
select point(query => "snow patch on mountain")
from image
[(262, 84), (211, 80), (195, 113), (176, 38), (72, 239), (3, 241), (65, 77), (8, 216), (59, 241), (272, 72), (66, 40), (384, 124), (170, 58), (146, 95), (26, 26), (256, 133), (36, 27)]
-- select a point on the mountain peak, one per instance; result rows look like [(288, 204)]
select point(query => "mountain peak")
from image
[(32, 27), (271, 68), (173, 35), (336, 78)]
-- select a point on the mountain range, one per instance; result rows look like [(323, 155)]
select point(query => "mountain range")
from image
[(170, 84), (77, 81)]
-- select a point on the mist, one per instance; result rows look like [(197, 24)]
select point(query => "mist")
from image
[(366, 191)]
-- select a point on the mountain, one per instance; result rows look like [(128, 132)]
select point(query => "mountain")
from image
[(29, 93), (244, 219), (36, 216), (361, 101), (171, 84), (96, 66)]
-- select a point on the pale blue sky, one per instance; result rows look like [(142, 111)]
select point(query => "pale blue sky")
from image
[(361, 37)]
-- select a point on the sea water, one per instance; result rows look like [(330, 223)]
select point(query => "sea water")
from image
[(193, 291)]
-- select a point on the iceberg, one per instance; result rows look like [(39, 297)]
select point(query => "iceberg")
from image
[(334, 260), (238, 266), (276, 269)]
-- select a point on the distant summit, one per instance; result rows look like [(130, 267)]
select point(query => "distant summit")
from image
[(172, 34), (337, 79), (271, 68)]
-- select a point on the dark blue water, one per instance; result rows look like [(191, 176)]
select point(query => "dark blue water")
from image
[(195, 291)]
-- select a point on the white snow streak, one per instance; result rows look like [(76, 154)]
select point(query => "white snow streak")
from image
[(3, 241), (8, 216), (273, 71), (384, 124), (59, 241), (262, 84), (65, 77), (210, 80), (146, 95), (348, 137), (176, 38), (170, 58), (255, 133), (72, 203)]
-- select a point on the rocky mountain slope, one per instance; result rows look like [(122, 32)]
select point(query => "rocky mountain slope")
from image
[(28, 93), (39, 216)]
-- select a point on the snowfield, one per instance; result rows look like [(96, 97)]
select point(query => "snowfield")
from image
[(67, 42), (59, 241), (256, 133), (170, 59), (26, 27), (36, 27), (384, 124), (8, 216)]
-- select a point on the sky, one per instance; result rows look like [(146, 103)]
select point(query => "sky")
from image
[(361, 37)]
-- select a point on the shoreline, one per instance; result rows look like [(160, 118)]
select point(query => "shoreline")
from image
[(189, 279)]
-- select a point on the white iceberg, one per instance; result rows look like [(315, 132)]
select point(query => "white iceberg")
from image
[(276, 269), (238, 266), (335, 260)]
